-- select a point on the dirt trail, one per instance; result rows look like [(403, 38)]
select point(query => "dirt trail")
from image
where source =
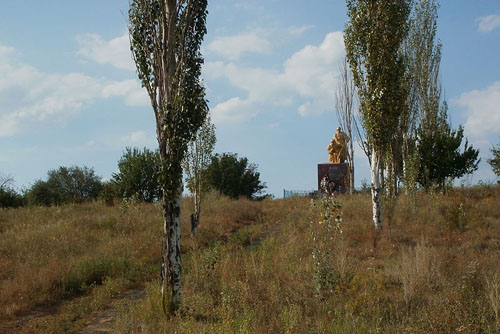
[(102, 321), (17, 325)]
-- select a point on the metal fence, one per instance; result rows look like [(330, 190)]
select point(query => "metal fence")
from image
[(298, 193)]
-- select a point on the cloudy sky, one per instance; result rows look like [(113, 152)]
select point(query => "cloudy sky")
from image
[(69, 93)]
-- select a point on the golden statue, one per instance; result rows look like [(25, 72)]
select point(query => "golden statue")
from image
[(338, 147)]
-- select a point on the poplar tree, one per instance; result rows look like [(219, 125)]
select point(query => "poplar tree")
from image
[(195, 164), (422, 52), (345, 95), (165, 40), (373, 37)]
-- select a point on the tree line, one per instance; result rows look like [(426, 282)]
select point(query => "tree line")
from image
[(390, 97), (137, 178)]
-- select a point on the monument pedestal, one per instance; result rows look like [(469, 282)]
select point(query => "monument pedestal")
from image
[(336, 174)]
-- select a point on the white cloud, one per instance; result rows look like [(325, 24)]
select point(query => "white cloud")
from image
[(489, 23), (234, 110), (30, 97), (298, 31), (134, 138), (310, 74), (481, 110), (115, 52), (233, 47), (5, 51), (134, 94)]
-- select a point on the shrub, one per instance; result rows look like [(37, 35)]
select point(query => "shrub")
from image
[(138, 175), (66, 185), (92, 271), (234, 177), (9, 198)]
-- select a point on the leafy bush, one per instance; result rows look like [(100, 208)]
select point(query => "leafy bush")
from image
[(110, 191), (138, 175), (66, 185), (93, 271), (234, 177), (495, 160), (9, 198)]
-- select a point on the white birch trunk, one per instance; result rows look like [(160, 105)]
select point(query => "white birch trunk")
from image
[(376, 189), (351, 165), (171, 252)]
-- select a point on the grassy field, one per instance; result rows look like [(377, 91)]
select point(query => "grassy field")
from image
[(433, 269)]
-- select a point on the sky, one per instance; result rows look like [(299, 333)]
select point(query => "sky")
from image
[(69, 93)]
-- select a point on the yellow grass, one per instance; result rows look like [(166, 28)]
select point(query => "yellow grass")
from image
[(433, 270)]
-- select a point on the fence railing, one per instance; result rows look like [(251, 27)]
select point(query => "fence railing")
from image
[(298, 193)]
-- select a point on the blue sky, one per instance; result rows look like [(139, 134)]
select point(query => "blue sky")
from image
[(69, 94)]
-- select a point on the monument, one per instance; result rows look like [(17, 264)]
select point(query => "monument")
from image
[(336, 171)]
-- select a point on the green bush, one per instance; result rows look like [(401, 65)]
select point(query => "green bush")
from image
[(137, 175), (94, 271), (10, 199), (234, 177), (66, 185)]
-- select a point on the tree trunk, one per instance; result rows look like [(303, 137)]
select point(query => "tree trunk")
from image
[(376, 189), (195, 217), (171, 251), (351, 166)]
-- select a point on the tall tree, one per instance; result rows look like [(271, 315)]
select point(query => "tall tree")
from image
[(195, 164), (345, 95), (440, 156), (137, 175), (165, 40), (422, 54), (495, 160), (373, 37)]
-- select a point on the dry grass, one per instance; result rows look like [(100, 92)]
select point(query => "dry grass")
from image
[(434, 270), (51, 254)]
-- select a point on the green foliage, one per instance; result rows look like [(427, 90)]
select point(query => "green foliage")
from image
[(440, 156), (137, 175), (199, 156), (109, 193), (325, 233), (165, 40), (373, 37), (94, 271), (234, 177), (9, 198), (66, 185), (495, 161), (165, 44)]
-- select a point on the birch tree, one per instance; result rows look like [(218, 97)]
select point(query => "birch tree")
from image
[(165, 40), (197, 160), (344, 108), (373, 38)]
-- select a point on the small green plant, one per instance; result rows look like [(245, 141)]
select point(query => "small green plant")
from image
[(324, 232), (456, 217)]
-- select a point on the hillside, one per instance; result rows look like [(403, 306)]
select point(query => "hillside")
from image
[(433, 269)]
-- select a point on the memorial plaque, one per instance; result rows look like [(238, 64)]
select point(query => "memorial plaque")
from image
[(337, 176), (335, 173)]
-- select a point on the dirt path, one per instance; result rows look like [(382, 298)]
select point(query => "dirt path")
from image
[(17, 325), (102, 321)]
